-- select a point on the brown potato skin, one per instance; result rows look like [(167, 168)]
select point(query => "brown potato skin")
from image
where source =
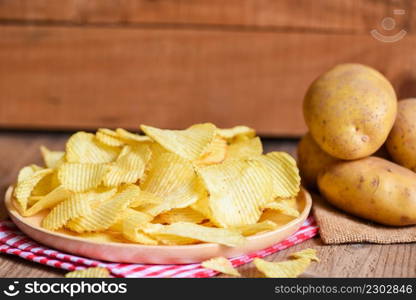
[(372, 188), (311, 160), (401, 143), (350, 110)]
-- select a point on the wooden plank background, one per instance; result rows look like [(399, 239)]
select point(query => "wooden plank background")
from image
[(78, 64)]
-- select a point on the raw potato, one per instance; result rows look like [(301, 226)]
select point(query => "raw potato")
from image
[(350, 110), (312, 160), (372, 188), (401, 142)]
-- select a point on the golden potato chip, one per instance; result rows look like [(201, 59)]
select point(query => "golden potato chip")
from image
[(52, 159), (174, 180), (100, 195), (245, 149), (284, 269), (46, 184), (189, 144), (198, 232), (83, 147), (130, 137), (77, 205), (276, 217), (222, 265), (283, 172), (214, 153), (251, 229), (238, 190), (132, 225), (109, 137), (27, 172), (129, 166), (308, 253), (107, 213), (145, 199), (237, 131), (186, 214), (101, 237), (55, 197), (95, 272), (81, 177), (286, 206), (25, 186)]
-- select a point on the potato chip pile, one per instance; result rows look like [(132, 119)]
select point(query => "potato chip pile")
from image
[(167, 187)]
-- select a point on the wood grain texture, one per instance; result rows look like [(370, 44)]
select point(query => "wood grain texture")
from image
[(70, 77), (307, 15), (357, 260)]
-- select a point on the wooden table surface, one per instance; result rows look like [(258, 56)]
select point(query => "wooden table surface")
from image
[(18, 149)]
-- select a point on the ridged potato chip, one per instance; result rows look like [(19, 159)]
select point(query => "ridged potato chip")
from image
[(189, 144), (174, 180), (284, 173), (238, 190), (52, 159), (132, 138), (284, 269), (95, 272), (52, 199), (46, 185), (132, 225), (83, 147), (198, 232), (25, 186), (77, 205), (129, 166), (251, 229), (287, 206), (109, 137), (245, 149), (81, 177), (27, 172), (214, 153), (145, 200), (222, 265), (186, 214), (237, 132), (107, 213), (276, 217), (308, 253)]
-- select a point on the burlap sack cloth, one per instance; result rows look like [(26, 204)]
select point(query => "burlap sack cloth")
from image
[(336, 227)]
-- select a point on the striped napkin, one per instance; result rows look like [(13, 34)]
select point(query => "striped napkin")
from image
[(13, 241)]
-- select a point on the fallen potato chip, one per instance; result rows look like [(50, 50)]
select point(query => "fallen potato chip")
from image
[(52, 159), (131, 228), (129, 166), (52, 199), (186, 214), (308, 253), (189, 144), (251, 229), (83, 147), (237, 132), (25, 186), (284, 173), (286, 206), (214, 153), (77, 205), (284, 269), (245, 149), (95, 272), (107, 213), (81, 177), (222, 265), (174, 180), (109, 137), (130, 137), (238, 189), (223, 236)]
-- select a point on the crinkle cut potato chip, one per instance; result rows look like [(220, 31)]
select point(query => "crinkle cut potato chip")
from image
[(276, 217), (287, 206), (284, 269), (223, 236), (132, 225), (50, 200), (245, 149), (214, 153), (308, 253), (83, 147), (238, 190), (27, 172), (222, 265), (132, 138), (95, 272), (251, 229), (52, 159), (237, 133), (189, 144), (174, 180), (109, 137), (186, 214), (79, 177)]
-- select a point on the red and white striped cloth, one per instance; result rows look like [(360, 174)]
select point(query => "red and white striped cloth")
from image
[(13, 241)]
